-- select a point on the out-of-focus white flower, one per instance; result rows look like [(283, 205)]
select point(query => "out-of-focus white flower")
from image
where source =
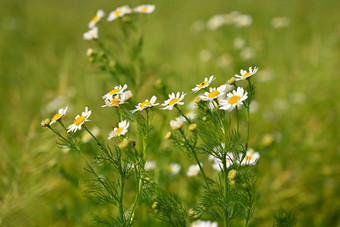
[(119, 12), (91, 34), (173, 100), (100, 14), (59, 115), (213, 93), (79, 121), (217, 163), (243, 20), (144, 9), (239, 43), (177, 123), (224, 60), (193, 170), (121, 130), (234, 99), (149, 165), (279, 22), (250, 158), (247, 53), (200, 223), (174, 168), (206, 82), (205, 55), (215, 22), (254, 106), (146, 104), (127, 95), (230, 17), (86, 137), (298, 98), (281, 104), (197, 26), (244, 74)]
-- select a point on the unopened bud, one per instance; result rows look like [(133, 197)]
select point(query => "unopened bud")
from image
[(232, 174), (45, 122), (168, 135), (232, 183), (154, 205), (204, 118), (231, 81), (124, 143), (192, 127)]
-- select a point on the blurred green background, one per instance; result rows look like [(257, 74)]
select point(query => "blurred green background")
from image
[(295, 122)]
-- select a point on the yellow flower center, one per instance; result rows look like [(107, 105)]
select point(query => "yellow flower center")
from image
[(203, 84), (213, 94), (56, 117), (248, 157), (95, 18), (115, 102), (144, 9), (114, 91), (144, 104), (234, 99), (173, 101), (79, 120), (246, 75), (118, 12), (119, 130)]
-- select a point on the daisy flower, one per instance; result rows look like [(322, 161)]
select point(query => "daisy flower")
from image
[(193, 170), (144, 9), (121, 130), (203, 84), (146, 104), (114, 101), (234, 99), (100, 14), (213, 93), (59, 115), (177, 123), (217, 163), (250, 158), (91, 34), (127, 95), (115, 91), (174, 168), (119, 12), (79, 121), (245, 74), (200, 223), (173, 100), (149, 165)]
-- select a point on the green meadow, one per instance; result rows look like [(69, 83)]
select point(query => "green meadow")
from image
[(295, 124)]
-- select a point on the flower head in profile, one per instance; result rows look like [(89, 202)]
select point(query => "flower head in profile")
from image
[(100, 14), (214, 93), (59, 115), (234, 99), (127, 95), (120, 130), (173, 100), (250, 158), (203, 84), (193, 170), (144, 9), (119, 12), (244, 74), (146, 104), (115, 91), (79, 121), (91, 34), (177, 123), (200, 223), (115, 101)]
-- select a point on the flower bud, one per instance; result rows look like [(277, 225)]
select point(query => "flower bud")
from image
[(124, 143), (177, 123), (232, 174), (45, 122), (168, 135), (192, 127), (232, 183), (231, 81)]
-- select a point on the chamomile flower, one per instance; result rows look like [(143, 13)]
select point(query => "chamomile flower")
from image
[(119, 12), (206, 82), (115, 101), (250, 158), (127, 95), (149, 165), (174, 168), (177, 123), (244, 74), (121, 130), (144, 9), (91, 34), (193, 170), (200, 223), (146, 104), (234, 99), (59, 115), (217, 163), (79, 121), (115, 91), (100, 14), (173, 100), (213, 93)]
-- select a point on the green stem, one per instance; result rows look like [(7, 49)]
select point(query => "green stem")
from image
[(99, 144), (225, 214), (56, 132), (119, 114), (180, 111), (238, 123), (248, 122)]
